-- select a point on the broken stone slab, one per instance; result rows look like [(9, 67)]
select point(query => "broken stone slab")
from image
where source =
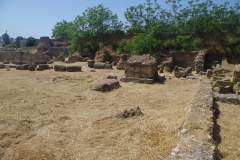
[(133, 111), (74, 68), (110, 76), (107, 85), (90, 63), (219, 83), (179, 74), (60, 68)]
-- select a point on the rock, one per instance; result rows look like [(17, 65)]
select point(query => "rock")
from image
[(19, 67), (25, 66), (236, 76), (75, 58), (107, 85), (2, 66), (91, 70), (121, 62), (107, 62), (60, 68), (43, 67), (161, 77), (50, 62), (167, 63), (74, 69), (114, 63), (58, 59), (188, 70), (176, 69), (215, 63), (218, 65), (110, 76), (108, 66), (167, 70), (31, 68), (209, 73), (90, 63), (133, 111), (6, 62), (98, 65), (86, 59)]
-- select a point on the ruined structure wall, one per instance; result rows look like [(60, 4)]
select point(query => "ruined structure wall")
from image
[(184, 59), (56, 51)]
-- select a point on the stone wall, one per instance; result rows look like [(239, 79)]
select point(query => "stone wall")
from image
[(184, 59), (23, 57), (56, 51), (196, 135)]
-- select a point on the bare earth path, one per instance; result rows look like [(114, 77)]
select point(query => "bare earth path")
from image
[(64, 119)]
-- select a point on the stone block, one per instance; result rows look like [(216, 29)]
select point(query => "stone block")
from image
[(166, 70), (31, 68), (43, 66), (75, 58), (19, 67), (2, 66), (98, 65), (161, 77), (60, 68), (219, 83), (74, 69), (107, 85), (179, 74), (108, 66), (209, 73), (110, 76), (188, 70), (90, 63), (133, 111)]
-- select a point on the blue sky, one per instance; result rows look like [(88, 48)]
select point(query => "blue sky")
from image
[(37, 18)]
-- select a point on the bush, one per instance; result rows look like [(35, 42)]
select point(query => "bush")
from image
[(124, 46)]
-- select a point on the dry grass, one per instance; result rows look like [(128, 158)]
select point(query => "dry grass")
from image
[(65, 119), (228, 121)]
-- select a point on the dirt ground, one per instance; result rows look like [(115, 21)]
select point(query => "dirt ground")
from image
[(228, 121), (42, 118)]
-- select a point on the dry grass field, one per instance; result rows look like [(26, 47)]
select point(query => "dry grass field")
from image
[(228, 121), (42, 118)]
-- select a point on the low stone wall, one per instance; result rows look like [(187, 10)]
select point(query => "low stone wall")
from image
[(196, 134)]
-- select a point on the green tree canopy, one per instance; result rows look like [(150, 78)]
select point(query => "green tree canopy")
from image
[(91, 26), (62, 30), (6, 38), (31, 42)]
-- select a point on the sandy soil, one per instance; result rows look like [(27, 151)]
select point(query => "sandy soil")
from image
[(65, 119), (228, 121)]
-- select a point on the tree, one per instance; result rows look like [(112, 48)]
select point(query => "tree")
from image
[(90, 27), (31, 42), (17, 41), (6, 38), (142, 18), (62, 30)]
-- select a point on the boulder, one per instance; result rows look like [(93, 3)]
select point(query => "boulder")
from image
[(107, 85), (60, 68), (133, 111), (98, 65), (74, 69)]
